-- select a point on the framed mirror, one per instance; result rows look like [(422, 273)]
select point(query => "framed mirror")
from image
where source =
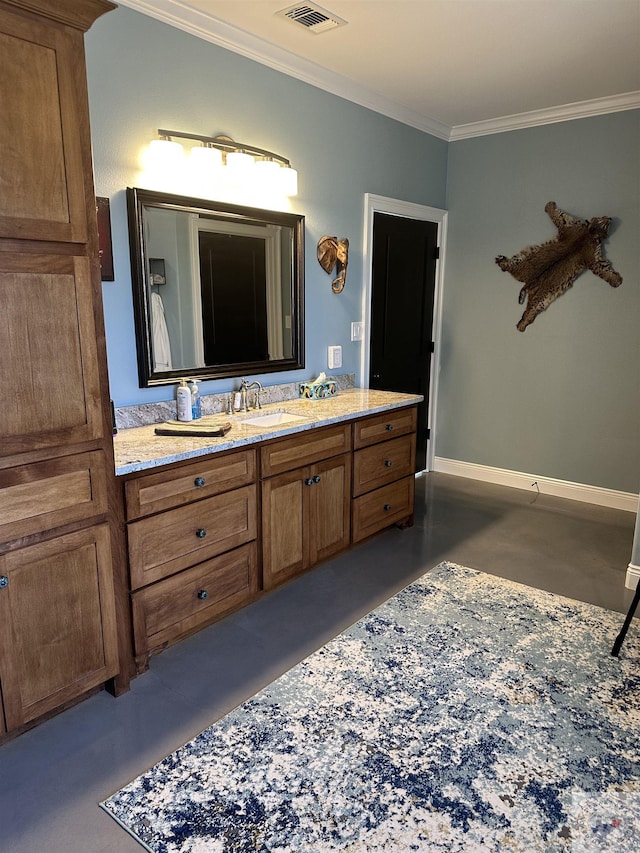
[(218, 289)]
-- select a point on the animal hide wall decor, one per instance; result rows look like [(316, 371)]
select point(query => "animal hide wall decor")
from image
[(333, 252), (549, 270)]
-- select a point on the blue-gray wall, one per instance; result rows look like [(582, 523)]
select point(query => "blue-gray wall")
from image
[(562, 398), (143, 75)]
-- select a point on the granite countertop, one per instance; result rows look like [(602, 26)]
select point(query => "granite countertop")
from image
[(140, 449)]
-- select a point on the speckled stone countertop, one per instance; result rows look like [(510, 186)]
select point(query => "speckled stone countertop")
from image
[(139, 448)]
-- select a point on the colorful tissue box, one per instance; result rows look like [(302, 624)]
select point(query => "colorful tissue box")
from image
[(318, 390)]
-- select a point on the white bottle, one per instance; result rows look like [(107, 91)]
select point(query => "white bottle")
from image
[(183, 399)]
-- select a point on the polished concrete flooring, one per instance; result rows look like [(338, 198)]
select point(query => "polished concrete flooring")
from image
[(52, 778)]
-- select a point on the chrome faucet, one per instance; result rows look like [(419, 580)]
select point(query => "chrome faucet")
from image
[(244, 392)]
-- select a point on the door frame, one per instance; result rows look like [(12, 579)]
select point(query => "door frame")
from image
[(396, 207)]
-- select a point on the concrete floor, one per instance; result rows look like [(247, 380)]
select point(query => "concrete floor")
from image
[(52, 778)]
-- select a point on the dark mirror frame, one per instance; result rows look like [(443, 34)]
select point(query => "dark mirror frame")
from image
[(137, 200)]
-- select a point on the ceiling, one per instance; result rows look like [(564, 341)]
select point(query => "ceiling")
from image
[(454, 68)]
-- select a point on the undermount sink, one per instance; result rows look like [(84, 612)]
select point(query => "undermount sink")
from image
[(273, 419)]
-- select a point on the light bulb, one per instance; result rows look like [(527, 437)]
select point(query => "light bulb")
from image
[(240, 166), (289, 181)]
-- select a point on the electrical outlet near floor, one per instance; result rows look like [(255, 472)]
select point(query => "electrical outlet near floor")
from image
[(334, 357)]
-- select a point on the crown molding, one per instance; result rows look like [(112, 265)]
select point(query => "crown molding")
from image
[(216, 31), (232, 38), (552, 115)]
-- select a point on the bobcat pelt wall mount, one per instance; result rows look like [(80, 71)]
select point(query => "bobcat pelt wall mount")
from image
[(549, 270)]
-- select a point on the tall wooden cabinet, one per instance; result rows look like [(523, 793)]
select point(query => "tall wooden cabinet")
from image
[(60, 530)]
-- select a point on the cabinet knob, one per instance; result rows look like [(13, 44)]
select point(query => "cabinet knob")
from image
[(387, 507), (4, 581), (201, 532), (316, 479), (388, 463), (199, 482), (202, 594), (309, 481), (389, 427)]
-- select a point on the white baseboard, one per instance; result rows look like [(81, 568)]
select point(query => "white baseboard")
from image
[(547, 485), (633, 576)]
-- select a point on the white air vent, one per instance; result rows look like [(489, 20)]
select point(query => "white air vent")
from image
[(312, 17)]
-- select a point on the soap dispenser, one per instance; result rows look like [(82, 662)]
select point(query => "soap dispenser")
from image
[(196, 405), (183, 400)]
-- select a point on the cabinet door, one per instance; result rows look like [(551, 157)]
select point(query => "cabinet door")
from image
[(305, 517), (283, 529), (41, 175), (49, 364), (329, 508), (57, 623)]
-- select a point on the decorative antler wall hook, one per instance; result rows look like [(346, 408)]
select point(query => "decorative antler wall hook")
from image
[(333, 252), (549, 270)]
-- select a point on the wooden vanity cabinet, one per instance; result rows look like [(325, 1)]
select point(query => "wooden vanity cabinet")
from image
[(305, 510), (383, 472), (208, 536), (191, 531), (60, 526)]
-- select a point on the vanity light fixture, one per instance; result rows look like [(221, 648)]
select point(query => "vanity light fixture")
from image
[(219, 159)]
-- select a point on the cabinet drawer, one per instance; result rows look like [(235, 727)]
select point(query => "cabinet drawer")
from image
[(180, 604), (186, 483), (383, 463), (288, 453), (382, 427), (49, 494), (177, 539), (377, 510)]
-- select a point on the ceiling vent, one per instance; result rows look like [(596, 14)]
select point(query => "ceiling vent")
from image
[(311, 17)]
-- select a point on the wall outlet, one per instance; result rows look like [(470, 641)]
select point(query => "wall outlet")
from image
[(357, 331), (334, 357)]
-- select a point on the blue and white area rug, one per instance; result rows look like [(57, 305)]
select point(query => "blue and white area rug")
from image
[(465, 714)]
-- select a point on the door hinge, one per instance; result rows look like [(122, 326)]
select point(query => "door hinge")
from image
[(432, 346), (436, 253), (428, 433)]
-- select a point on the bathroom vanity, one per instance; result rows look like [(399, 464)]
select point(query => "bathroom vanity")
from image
[(213, 523)]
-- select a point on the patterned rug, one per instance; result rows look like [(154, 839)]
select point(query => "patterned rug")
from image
[(467, 713)]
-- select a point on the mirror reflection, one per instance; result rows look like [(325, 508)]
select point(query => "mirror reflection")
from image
[(218, 288)]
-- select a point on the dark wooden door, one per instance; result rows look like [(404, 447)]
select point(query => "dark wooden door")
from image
[(403, 286), (234, 309)]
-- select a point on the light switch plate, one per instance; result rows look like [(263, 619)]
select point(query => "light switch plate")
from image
[(334, 357)]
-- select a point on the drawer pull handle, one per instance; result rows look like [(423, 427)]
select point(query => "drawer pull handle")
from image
[(202, 594), (201, 532), (309, 481), (389, 427), (4, 581), (387, 507), (388, 463), (316, 479), (199, 482)]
